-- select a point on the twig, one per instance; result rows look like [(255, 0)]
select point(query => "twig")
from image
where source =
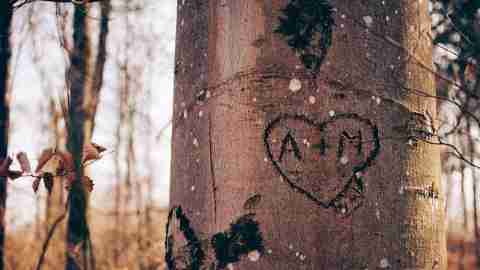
[(47, 241)]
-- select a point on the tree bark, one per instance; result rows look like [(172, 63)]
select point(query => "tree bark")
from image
[(280, 164), (5, 54)]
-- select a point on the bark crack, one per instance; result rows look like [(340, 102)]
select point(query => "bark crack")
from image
[(212, 169)]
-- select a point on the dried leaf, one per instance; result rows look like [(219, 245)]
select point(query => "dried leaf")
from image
[(46, 155), (35, 184), (67, 164), (88, 183), (24, 163), (4, 166), (48, 182), (90, 152), (99, 148), (14, 174), (69, 178)]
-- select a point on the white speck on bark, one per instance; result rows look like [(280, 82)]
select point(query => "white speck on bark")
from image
[(384, 263), (295, 85), (195, 142), (368, 20)]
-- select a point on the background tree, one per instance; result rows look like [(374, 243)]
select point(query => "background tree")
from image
[(78, 242), (6, 14)]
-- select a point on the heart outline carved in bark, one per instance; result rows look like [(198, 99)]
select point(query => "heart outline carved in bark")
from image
[(350, 187)]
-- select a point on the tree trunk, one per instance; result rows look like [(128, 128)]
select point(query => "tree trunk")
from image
[(5, 54), (55, 205), (278, 164), (118, 242), (463, 248), (476, 229), (92, 96), (78, 244)]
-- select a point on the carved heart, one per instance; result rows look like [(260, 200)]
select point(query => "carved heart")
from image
[(322, 160)]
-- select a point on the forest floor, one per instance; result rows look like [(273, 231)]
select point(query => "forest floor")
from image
[(132, 247)]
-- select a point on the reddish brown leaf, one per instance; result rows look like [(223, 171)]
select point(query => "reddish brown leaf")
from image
[(99, 148), (46, 155), (24, 163), (67, 161), (35, 184), (90, 152), (88, 183), (48, 182), (14, 174)]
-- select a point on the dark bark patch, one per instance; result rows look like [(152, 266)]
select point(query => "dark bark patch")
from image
[(226, 247), (307, 25), (243, 237), (195, 252)]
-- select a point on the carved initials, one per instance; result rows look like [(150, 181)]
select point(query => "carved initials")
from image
[(289, 140)]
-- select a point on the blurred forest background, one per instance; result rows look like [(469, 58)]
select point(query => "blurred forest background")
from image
[(130, 70), (129, 56)]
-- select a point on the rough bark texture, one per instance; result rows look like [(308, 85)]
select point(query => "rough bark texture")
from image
[(5, 54), (278, 167)]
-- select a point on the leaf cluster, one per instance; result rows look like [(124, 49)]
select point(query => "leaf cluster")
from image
[(52, 163)]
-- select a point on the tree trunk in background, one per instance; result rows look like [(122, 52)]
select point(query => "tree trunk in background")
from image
[(78, 244), (55, 205), (86, 82), (5, 54), (117, 246), (92, 96), (463, 249), (280, 167), (476, 229)]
